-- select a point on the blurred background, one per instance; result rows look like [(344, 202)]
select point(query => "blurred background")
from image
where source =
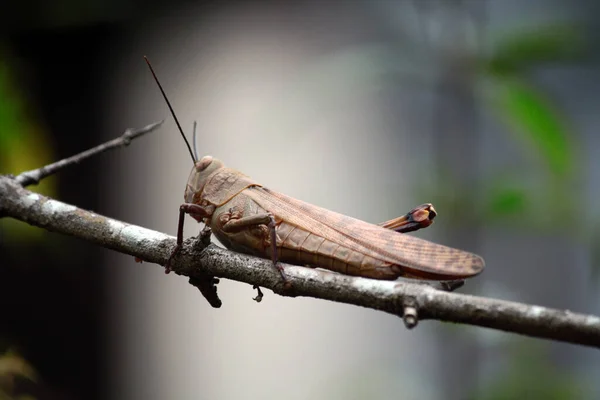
[(488, 109)]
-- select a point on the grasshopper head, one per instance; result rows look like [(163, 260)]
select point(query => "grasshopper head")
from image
[(203, 168)]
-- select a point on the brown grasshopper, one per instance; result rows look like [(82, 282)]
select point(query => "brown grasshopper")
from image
[(249, 218)]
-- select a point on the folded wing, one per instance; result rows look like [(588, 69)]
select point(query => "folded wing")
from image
[(369, 239)]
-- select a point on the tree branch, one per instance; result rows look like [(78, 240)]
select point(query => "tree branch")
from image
[(202, 261), (411, 300)]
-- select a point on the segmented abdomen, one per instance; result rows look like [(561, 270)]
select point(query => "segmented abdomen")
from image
[(298, 246)]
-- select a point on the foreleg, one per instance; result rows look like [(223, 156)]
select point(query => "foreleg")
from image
[(196, 211)]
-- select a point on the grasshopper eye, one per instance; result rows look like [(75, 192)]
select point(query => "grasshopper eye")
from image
[(203, 163)]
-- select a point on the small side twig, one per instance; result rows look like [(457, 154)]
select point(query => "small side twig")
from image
[(34, 176), (410, 314), (207, 284)]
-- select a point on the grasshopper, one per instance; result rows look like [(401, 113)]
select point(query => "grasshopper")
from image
[(250, 218)]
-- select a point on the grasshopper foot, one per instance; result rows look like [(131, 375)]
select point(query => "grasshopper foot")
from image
[(451, 286), (259, 295), (205, 235), (287, 285), (173, 254), (284, 278)]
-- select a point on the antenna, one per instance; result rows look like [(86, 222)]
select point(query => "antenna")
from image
[(172, 112), (194, 140)]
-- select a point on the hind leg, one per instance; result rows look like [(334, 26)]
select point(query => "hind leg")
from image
[(417, 218)]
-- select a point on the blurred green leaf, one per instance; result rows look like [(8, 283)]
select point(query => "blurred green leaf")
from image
[(12, 368), (533, 118), (24, 145), (13, 364), (552, 43), (507, 201), (9, 107)]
